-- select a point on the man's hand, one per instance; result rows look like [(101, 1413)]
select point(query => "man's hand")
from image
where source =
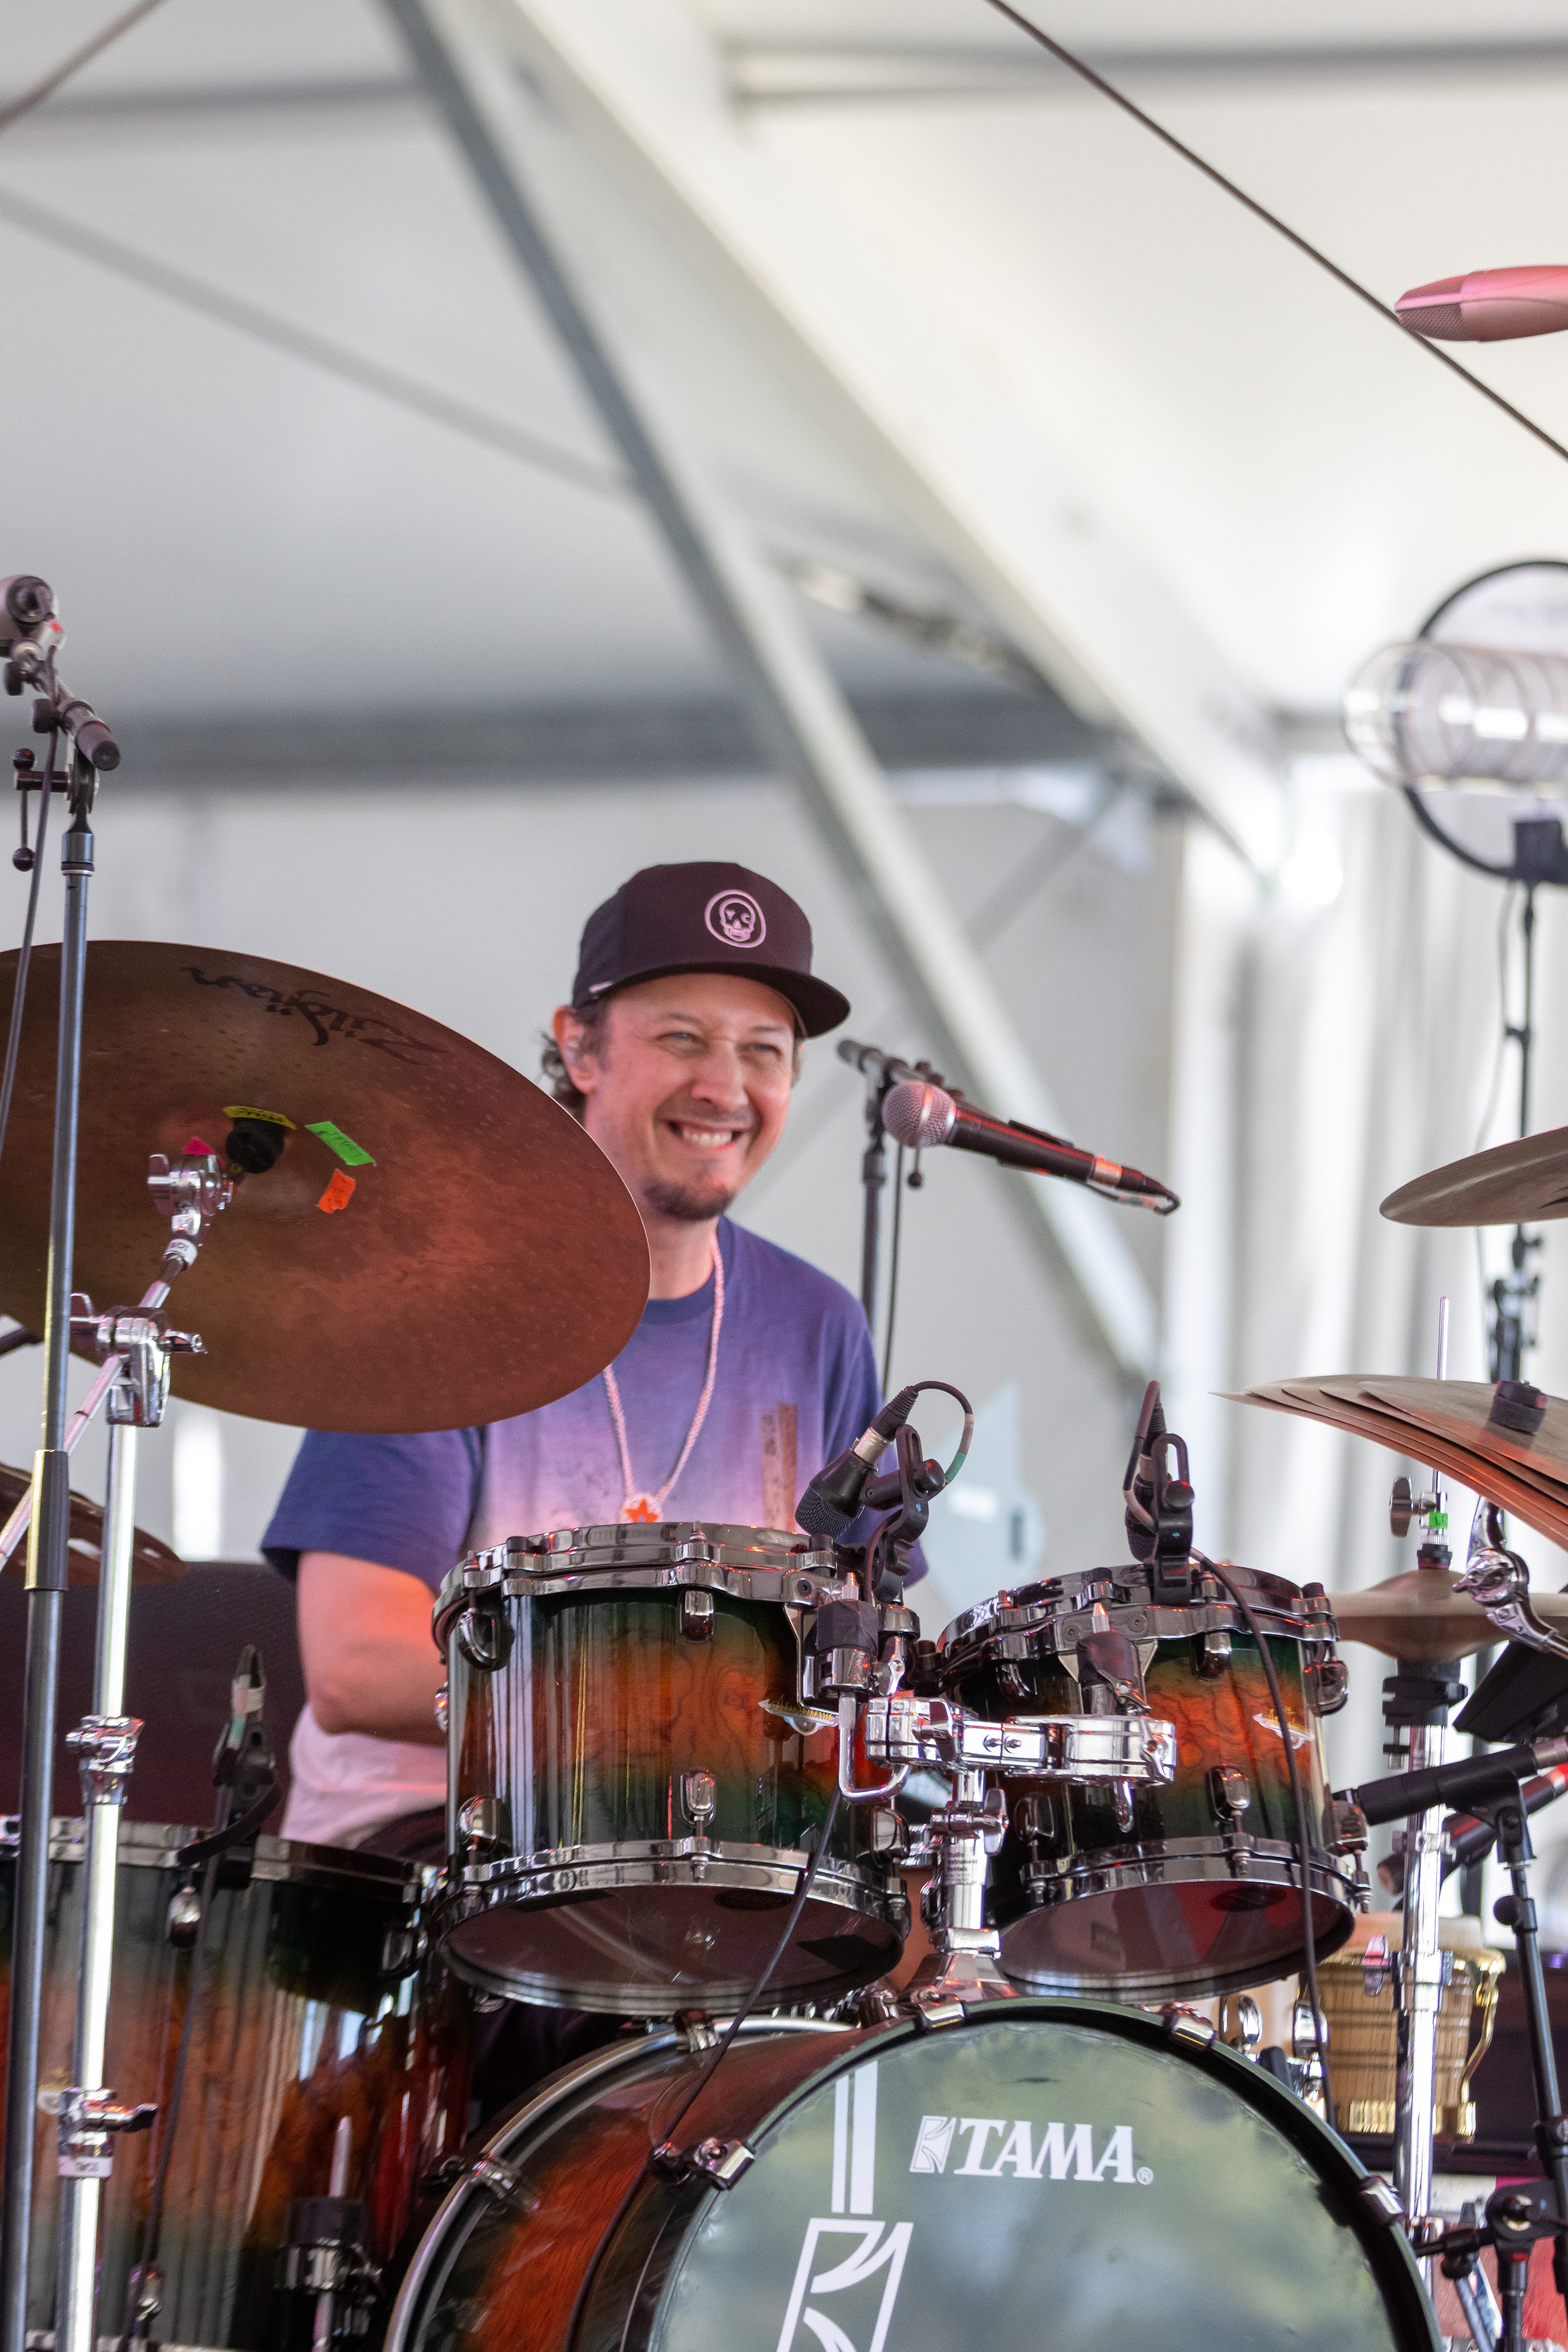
[(364, 1641)]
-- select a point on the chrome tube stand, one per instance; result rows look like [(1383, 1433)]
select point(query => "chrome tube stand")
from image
[(45, 1583), (1420, 1963)]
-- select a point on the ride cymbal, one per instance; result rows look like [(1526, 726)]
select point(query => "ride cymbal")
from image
[(151, 1562), (439, 1245), (1419, 1615), (1522, 1183)]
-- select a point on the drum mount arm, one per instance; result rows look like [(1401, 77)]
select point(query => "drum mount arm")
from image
[(963, 1836)]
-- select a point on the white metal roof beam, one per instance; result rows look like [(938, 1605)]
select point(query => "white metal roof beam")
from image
[(801, 720), (640, 82)]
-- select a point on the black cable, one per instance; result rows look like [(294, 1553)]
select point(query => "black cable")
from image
[(1303, 1841), (893, 1268), (797, 1907), (169, 2119), (25, 955), (1271, 220)]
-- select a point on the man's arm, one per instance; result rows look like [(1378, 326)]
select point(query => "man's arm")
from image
[(364, 1642)]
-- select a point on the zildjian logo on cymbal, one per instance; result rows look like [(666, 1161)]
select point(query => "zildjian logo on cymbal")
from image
[(327, 1020)]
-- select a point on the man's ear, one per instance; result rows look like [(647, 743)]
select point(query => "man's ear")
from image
[(574, 1039)]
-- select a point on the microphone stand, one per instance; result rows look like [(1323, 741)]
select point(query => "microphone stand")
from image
[(882, 1072)]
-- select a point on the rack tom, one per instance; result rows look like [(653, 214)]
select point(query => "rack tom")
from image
[(1187, 1888), (637, 1778)]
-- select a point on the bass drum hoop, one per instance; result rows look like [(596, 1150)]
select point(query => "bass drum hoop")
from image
[(516, 1887), (1329, 2158), (1184, 1861), (477, 2184)]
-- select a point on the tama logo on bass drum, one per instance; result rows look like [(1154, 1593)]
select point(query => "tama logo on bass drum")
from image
[(1062, 2152)]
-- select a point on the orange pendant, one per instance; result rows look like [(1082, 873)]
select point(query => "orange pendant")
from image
[(639, 1508)]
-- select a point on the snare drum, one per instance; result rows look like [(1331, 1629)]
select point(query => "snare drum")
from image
[(637, 1779), (1176, 1890), (317, 2004)]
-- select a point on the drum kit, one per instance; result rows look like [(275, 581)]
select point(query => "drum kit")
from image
[(238, 2084)]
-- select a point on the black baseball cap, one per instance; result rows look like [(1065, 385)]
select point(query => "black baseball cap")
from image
[(704, 917)]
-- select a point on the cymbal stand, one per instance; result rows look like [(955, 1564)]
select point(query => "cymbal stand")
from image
[(46, 1575), (135, 1347), (1417, 1698)]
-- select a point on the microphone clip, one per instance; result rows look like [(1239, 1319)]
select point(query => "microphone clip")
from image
[(1158, 1504)]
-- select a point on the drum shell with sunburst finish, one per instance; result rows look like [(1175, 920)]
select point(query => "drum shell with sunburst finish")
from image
[(1198, 1891), (635, 1782), (318, 2002), (1028, 2176)]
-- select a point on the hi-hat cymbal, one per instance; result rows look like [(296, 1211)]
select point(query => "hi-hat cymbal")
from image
[(151, 1562), (1522, 1183), (487, 1259), (1420, 1616)]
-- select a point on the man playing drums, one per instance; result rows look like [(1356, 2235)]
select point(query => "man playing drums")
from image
[(748, 1368)]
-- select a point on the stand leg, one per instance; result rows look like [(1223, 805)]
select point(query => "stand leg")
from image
[(1518, 1911), (46, 1570), (106, 1745)]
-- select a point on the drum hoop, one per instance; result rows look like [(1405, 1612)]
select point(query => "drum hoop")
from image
[(155, 1845), (535, 2107), (777, 1588), (989, 1628), (1389, 2255)]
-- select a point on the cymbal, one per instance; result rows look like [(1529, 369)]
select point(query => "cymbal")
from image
[(1444, 1424), (1419, 1615), (151, 1562), (487, 1260), (1522, 1183)]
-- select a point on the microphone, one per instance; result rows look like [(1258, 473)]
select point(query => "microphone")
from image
[(920, 1115), (1459, 1783), (1489, 306), (834, 1497), (26, 603)]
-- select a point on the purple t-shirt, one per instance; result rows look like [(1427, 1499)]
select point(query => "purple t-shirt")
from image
[(795, 1384)]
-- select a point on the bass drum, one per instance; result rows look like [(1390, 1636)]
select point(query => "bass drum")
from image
[(319, 2024), (1038, 2177)]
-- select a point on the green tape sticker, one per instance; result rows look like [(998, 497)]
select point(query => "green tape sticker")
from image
[(351, 1154)]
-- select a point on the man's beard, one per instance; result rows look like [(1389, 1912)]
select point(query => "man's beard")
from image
[(689, 1204)]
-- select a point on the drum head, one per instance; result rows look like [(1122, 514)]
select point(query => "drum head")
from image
[(1036, 2179), (1179, 1927)]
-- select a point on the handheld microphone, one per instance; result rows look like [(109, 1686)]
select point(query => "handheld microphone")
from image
[(835, 1496), (920, 1115), (1489, 306)]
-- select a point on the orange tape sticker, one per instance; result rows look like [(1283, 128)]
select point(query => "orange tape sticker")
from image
[(339, 1192)]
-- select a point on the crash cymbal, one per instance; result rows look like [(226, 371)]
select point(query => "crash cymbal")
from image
[(1419, 1615), (151, 1562), (1522, 1183), (1445, 1424), (440, 1245)]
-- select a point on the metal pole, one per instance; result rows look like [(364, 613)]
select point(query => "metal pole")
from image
[(46, 1573), (873, 1179), (103, 1793), (1420, 1961)]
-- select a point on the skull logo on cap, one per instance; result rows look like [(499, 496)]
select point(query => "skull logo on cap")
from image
[(735, 920)]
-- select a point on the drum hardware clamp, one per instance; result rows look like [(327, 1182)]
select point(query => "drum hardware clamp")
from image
[(721, 2161)]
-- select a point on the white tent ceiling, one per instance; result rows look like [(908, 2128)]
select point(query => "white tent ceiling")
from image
[(232, 527)]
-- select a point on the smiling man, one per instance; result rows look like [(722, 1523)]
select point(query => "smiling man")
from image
[(678, 1051)]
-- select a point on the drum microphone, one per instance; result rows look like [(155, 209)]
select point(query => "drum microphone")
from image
[(1460, 1783), (833, 1497), (921, 1115), (1489, 306)]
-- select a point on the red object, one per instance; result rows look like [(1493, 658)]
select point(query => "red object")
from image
[(339, 1192), (1489, 306)]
